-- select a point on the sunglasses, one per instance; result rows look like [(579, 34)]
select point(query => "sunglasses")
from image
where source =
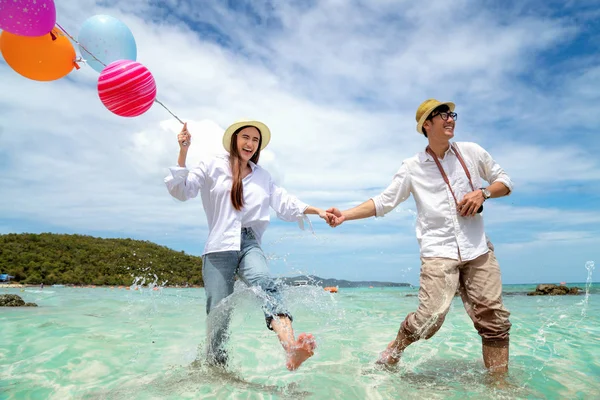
[(445, 115)]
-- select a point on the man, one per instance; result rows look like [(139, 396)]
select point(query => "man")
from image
[(445, 181)]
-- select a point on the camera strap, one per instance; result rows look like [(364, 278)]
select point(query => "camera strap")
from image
[(454, 148)]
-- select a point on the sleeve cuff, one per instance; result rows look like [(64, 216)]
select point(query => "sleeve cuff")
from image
[(302, 206), (378, 206), (507, 183), (179, 172), (302, 218)]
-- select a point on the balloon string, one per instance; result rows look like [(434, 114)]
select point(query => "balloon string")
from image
[(165, 107), (95, 58), (80, 45)]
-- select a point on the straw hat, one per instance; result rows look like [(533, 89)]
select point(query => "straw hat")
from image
[(265, 133), (426, 108)]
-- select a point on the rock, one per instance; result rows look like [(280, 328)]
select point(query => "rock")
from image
[(574, 290), (545, 288), (560, 290), (553, 290), (12, 300)]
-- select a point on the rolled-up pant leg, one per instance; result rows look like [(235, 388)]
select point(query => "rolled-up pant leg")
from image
[(481, 291), (438, 284), (254, 271)]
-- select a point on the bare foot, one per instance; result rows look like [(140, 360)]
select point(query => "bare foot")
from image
[(391, 355), (300, 351)]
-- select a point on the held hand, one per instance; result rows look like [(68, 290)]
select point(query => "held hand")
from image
[(323, 215), (330, 219), (469, 205), (336, 218), (184, 138), (326, 216)]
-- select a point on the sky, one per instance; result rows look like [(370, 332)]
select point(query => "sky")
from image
[(338, 82)]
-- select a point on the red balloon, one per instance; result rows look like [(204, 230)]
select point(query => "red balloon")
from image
[(126, 88)]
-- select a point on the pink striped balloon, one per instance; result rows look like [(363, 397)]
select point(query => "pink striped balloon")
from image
[(126, 88)]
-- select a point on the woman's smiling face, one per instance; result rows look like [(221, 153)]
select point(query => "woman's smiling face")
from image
[(248, 140)]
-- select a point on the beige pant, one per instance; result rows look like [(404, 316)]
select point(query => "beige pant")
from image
[(480, 287)]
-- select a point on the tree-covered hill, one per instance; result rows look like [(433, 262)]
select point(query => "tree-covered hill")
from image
[(86, 260)]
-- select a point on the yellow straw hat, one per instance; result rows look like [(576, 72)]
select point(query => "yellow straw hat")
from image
[(426, 108), (265, 133)]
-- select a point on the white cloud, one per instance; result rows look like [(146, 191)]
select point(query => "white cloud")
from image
[(337, 82), (558, 240), (566, 236), (534, 166), (549, 216)]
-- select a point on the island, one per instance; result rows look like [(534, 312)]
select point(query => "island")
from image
[(340, 283), (81, 260), (48, 258)]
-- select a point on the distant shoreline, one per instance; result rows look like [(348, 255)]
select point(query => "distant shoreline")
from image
[(21, 286)]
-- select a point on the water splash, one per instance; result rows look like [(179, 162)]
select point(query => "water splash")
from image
[(588, 284), (240, 312)]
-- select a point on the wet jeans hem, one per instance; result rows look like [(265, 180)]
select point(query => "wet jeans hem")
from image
[(269, 319)]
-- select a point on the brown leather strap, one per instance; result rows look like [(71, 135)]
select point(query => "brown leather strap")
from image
[(439, 165), (437, 162), (462, 162)]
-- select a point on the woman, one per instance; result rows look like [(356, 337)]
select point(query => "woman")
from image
[(236, 195)]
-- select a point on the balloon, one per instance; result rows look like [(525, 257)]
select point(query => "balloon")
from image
[(126, 88), (108, 39), (41, 58), (27, 17)]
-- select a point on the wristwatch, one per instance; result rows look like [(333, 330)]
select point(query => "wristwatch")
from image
[(486, 193)]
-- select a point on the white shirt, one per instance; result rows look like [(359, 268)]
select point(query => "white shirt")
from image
[(441, 231), (213, 179)]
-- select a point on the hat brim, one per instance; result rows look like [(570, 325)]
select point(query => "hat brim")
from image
[(450, 105), (265, 133)]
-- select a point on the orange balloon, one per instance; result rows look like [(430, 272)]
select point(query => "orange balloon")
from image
[(41, 58)]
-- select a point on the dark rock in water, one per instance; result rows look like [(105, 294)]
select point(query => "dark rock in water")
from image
[(545, 288), (553, 290), (12, 300)]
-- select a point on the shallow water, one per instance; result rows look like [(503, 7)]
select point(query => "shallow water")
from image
[(107, 343)]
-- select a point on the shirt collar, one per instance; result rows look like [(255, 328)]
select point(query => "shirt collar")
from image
[(250, 163), (425, 156)]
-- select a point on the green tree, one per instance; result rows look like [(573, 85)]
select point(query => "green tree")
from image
[(80, 259)]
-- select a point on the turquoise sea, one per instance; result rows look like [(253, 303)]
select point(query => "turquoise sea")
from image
[(110, 343)]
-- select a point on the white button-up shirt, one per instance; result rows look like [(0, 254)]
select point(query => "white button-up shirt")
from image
[(441, 231), (213, 179)]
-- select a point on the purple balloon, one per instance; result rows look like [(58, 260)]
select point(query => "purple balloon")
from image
[(27, 17)]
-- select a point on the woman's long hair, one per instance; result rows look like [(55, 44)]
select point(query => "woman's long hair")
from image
[(235, 161)]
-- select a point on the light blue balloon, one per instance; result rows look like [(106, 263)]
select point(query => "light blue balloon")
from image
[(108, 39)]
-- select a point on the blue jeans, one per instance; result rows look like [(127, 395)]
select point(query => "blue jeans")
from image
[(250, 265)]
